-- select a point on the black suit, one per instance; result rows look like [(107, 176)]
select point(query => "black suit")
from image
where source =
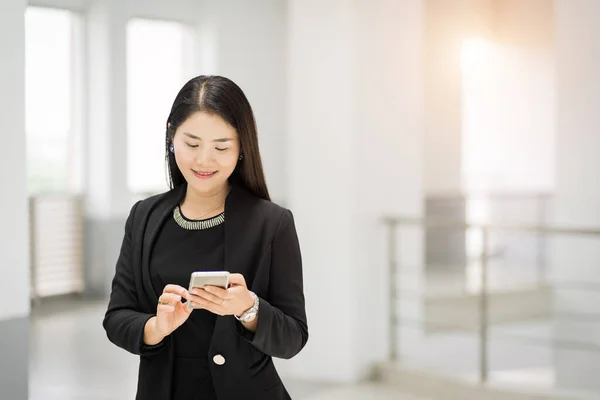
[(262, 245)]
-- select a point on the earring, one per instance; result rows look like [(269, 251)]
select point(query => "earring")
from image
[(172, 148), (241, 157)]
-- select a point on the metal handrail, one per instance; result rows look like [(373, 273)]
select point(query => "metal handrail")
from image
[(495, 227), (393, 222), (515, 337)]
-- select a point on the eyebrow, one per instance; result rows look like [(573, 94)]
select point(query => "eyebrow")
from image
[(221, 140)]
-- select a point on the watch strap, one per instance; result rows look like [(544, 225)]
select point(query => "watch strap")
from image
[(251, 310)]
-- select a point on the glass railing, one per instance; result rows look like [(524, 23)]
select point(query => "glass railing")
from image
[(500, 321)]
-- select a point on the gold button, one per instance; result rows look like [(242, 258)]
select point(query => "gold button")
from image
[(219, 359)]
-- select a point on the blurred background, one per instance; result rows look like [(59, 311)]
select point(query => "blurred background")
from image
[(441, 158)]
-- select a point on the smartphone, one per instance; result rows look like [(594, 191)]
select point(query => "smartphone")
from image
[(213, 278)]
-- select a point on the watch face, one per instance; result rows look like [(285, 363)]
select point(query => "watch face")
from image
[(249, 317)]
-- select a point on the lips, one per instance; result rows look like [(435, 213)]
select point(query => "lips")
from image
[(204, 174)]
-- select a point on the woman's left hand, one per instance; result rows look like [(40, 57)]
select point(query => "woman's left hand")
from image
[(232, 301)]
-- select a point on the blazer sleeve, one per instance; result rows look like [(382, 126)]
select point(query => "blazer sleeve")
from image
[(282, 329), (124, 322)]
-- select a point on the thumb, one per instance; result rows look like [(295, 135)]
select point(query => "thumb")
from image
[(237, 280), (184, 307)]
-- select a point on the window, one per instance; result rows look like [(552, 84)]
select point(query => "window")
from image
[(508, 114), (52, 110), (53, 123), (159, 61)]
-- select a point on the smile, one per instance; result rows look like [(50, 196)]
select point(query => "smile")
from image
[(204, 175)]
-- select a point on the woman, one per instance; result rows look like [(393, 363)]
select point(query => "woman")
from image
[(217, 216)]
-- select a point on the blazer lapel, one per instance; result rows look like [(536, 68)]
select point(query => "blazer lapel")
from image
[(236, 256), (157, 215), (234, 229)]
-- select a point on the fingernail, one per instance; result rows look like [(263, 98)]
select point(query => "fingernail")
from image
[(208, 288)]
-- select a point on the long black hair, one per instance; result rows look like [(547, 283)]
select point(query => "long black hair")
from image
[(219, 96)]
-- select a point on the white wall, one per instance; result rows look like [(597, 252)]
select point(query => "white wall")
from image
[(14, 215), (483, 126), (509, 121), (509, 100), (354, 153), (443, 122), (447, 24), (525, 23), (577, 193), (578, 142), (250, 47)]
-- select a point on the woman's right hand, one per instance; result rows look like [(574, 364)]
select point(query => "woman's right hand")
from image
[(171, 313)]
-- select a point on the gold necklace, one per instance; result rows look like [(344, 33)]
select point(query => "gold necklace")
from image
[(206, 213)]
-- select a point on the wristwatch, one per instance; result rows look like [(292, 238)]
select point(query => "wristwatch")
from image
[(251, 313)]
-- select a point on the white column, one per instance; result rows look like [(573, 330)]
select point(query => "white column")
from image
[(577, 200), (389, 158), (107, 200), (14, 217), (106, 140), (354, 153), (14, 239)]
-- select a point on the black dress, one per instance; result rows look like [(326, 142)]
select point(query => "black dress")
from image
[(182, 247)]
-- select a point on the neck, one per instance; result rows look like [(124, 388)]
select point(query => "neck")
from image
[(203, 201)]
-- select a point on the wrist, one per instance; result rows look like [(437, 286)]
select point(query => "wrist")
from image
[(249, 303), (152, 335), (250, 313)]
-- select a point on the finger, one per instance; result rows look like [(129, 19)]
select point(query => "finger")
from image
[(237, 279), (217, 291), (193, 299), (169, 298), (209, 294), (165, 308), (210, 306), (183, 307), (175, 289), (200, 294)]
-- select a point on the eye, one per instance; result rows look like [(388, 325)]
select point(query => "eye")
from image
[(221, 149), (192, 145)]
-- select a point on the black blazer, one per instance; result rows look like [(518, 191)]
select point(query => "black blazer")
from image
[(262, 245)]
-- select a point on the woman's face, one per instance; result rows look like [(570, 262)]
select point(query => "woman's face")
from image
[(206, 151)]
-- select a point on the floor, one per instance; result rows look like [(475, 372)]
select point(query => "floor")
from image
[(71, 359)]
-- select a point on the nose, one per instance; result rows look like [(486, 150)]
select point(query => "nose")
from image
[(203, 155)]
